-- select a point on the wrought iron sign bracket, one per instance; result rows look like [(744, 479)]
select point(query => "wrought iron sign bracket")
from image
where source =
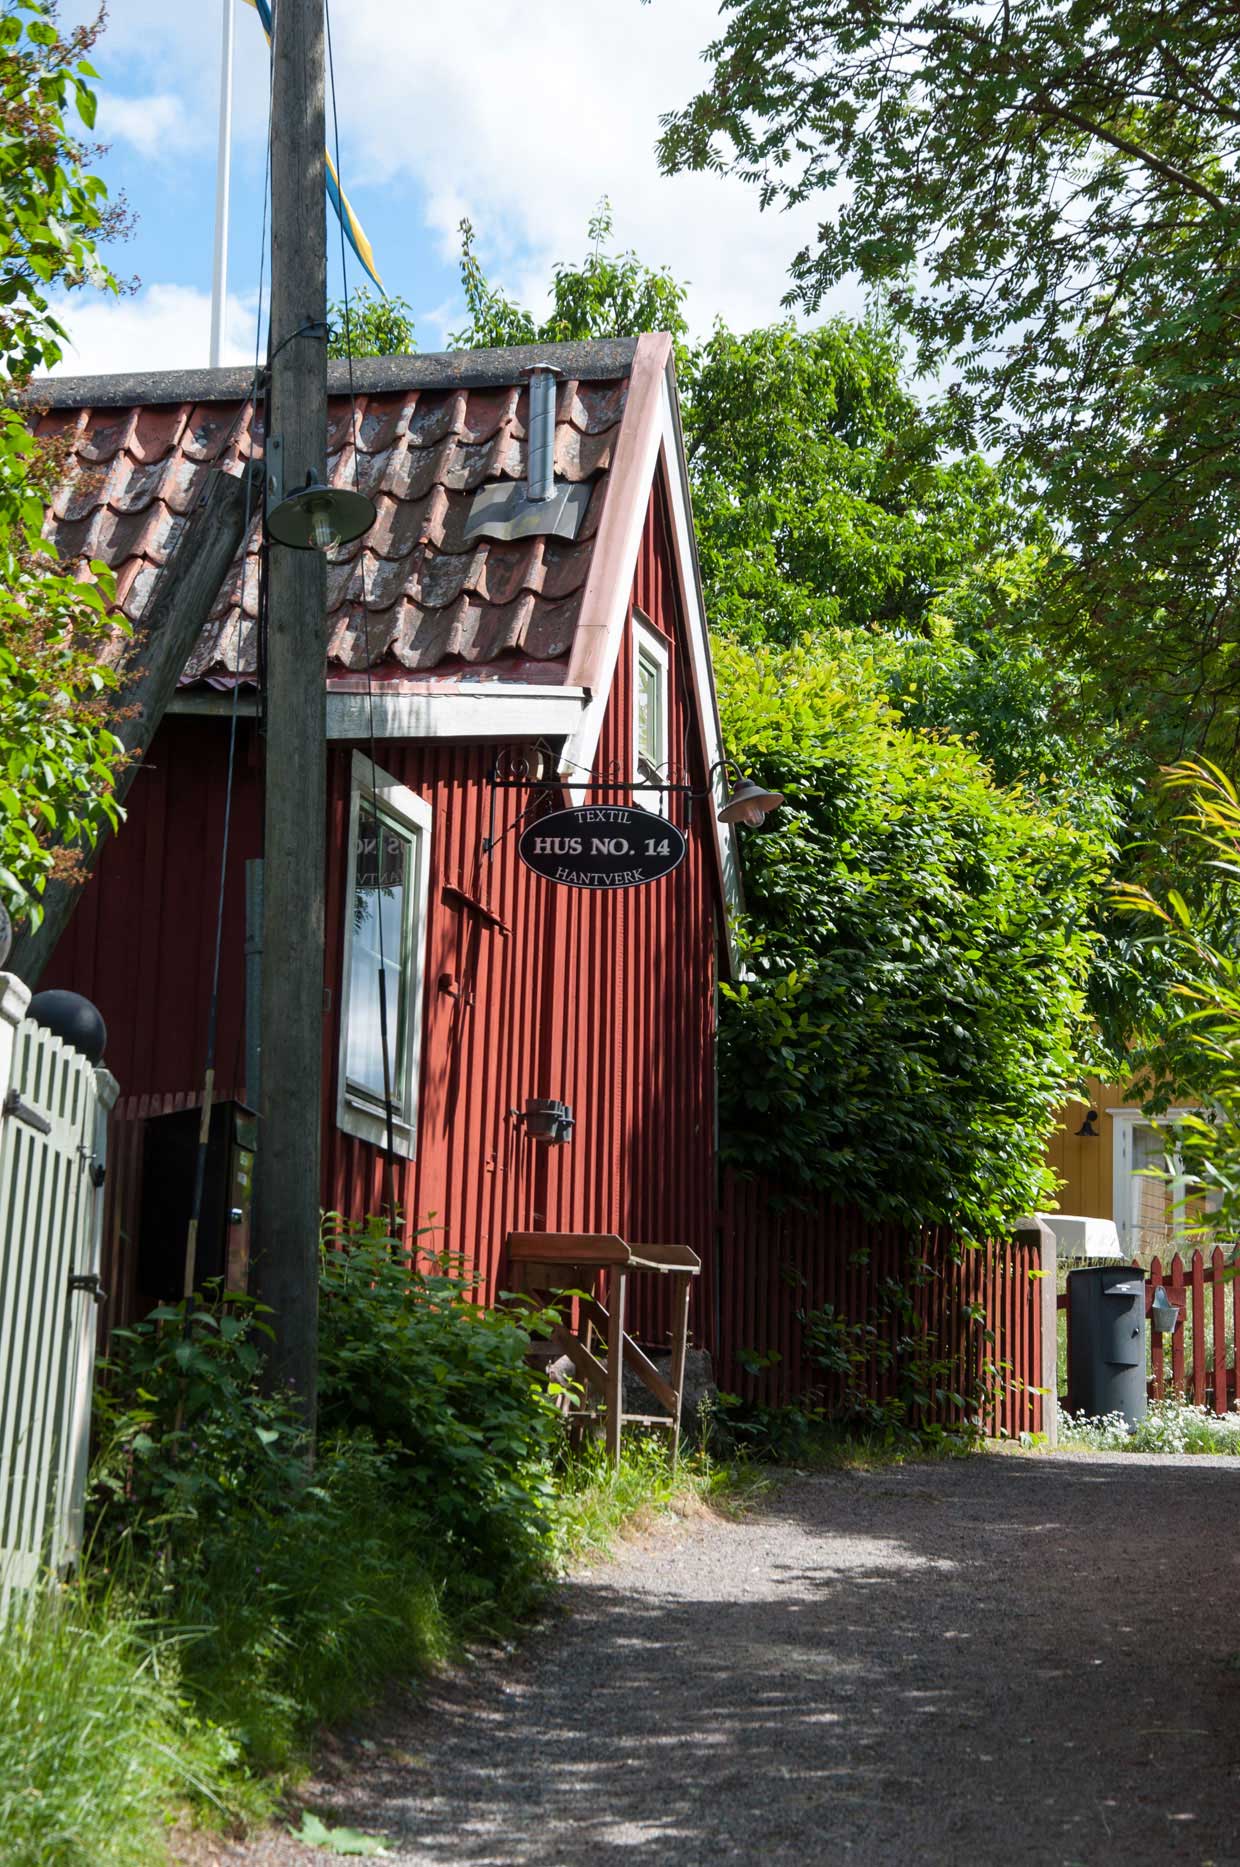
[(548, 787)]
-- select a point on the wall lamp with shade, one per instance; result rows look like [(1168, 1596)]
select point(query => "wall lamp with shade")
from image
[(318, 517), (750, 804), (1089, 1127)]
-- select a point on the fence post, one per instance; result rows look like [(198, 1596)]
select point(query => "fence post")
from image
[(1036, 1235), (71, 1500), (14, 998)]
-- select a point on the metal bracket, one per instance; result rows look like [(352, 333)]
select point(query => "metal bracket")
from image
[(88, 1281), (22, 1111), (96, 1169), (274, 455)]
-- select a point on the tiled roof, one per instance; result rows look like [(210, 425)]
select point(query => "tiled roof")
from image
[(414, 595)]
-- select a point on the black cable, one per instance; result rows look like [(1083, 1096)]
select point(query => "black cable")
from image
[(204, 1130)]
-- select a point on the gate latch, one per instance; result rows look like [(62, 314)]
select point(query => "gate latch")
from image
[(89, 1282), (22, 1111)]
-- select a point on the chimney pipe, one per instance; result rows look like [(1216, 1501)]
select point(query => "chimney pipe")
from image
[(540, 432)]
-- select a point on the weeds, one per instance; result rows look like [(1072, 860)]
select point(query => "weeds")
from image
[(235, 1599), (599, 1502)]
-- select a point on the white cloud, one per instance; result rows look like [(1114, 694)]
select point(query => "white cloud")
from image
[(525, 113), (521, 114), (162, 327), (159, 126)]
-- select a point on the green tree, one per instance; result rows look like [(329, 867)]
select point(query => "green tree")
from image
[(823, 493), (53, 211), (370, 327), (1049, 197), (918, 950), (1188, 1047), (58, 756), (607, 295)]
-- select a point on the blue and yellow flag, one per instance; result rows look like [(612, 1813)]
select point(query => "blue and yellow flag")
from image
[(353, 230)]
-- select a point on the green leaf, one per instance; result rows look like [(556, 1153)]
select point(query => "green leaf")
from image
[(317, 1834)]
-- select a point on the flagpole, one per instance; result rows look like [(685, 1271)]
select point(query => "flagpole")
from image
[(219, 276)]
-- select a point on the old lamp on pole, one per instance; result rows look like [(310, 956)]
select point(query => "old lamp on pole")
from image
[(318, 517)]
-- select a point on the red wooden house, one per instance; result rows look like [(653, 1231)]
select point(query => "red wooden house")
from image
[(477, 643)]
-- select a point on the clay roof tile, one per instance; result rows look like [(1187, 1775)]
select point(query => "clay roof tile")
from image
[(415, 593)]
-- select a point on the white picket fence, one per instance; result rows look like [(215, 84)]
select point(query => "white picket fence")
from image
[(53, 1140)]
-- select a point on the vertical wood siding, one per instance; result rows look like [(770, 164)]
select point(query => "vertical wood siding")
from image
[(978, 1311), (1083, 1164), (604, 1001)]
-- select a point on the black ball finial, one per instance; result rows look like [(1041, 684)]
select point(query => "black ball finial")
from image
[(72, 1018)]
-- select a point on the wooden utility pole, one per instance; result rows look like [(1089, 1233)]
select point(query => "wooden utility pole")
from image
[(292, 1001)]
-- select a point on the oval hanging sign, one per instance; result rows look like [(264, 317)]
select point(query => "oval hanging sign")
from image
[(602, 846)]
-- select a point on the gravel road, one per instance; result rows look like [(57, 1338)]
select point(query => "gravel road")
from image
[(1003, 1659)]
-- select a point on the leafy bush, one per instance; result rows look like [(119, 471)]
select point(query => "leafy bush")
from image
[(916, 955), (443, 1384), (187, 1435), (292, 1594)]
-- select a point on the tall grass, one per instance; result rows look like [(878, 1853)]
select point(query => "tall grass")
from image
[(94, 1747), (599, 1502)]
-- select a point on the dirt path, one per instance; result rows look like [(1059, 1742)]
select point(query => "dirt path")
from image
[(998, 1660)]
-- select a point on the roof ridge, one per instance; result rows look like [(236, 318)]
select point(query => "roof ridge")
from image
[(592, 360)]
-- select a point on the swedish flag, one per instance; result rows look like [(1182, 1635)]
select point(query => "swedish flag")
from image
[(353, 230)]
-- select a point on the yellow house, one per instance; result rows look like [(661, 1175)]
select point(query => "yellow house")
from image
[(1102, 1153)]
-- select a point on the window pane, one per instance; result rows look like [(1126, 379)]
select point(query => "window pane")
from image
[(1153, 1218), (380, 919), (649, 710)]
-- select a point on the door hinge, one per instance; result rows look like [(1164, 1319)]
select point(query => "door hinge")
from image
[(89, 1282)]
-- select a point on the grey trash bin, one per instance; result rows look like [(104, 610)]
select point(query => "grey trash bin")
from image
[(1106, 1341)]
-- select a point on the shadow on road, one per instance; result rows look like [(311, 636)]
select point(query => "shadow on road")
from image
[(992, 1660)]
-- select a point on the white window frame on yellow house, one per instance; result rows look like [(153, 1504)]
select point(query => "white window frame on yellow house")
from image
[(1127, 1179)]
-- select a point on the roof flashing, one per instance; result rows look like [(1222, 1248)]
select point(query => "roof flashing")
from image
[(506, 510)]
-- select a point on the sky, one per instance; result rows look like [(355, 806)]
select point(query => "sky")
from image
[(521, 116)]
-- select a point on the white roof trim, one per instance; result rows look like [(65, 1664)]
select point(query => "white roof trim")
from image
[(703, 678), (662, 445), (488, 711)]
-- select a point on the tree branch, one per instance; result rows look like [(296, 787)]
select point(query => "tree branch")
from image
[(1040, 106)]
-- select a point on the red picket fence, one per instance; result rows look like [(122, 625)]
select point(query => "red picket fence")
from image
[(1202, 1350), (903, 1297)]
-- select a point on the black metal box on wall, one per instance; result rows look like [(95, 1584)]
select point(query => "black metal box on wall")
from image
[(169, 1159)]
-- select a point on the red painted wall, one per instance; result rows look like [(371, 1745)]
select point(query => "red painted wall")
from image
[(604, 1001)]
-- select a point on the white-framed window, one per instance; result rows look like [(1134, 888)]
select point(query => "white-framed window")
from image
[(650, 711), (386, 887), (1155, 1203)]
